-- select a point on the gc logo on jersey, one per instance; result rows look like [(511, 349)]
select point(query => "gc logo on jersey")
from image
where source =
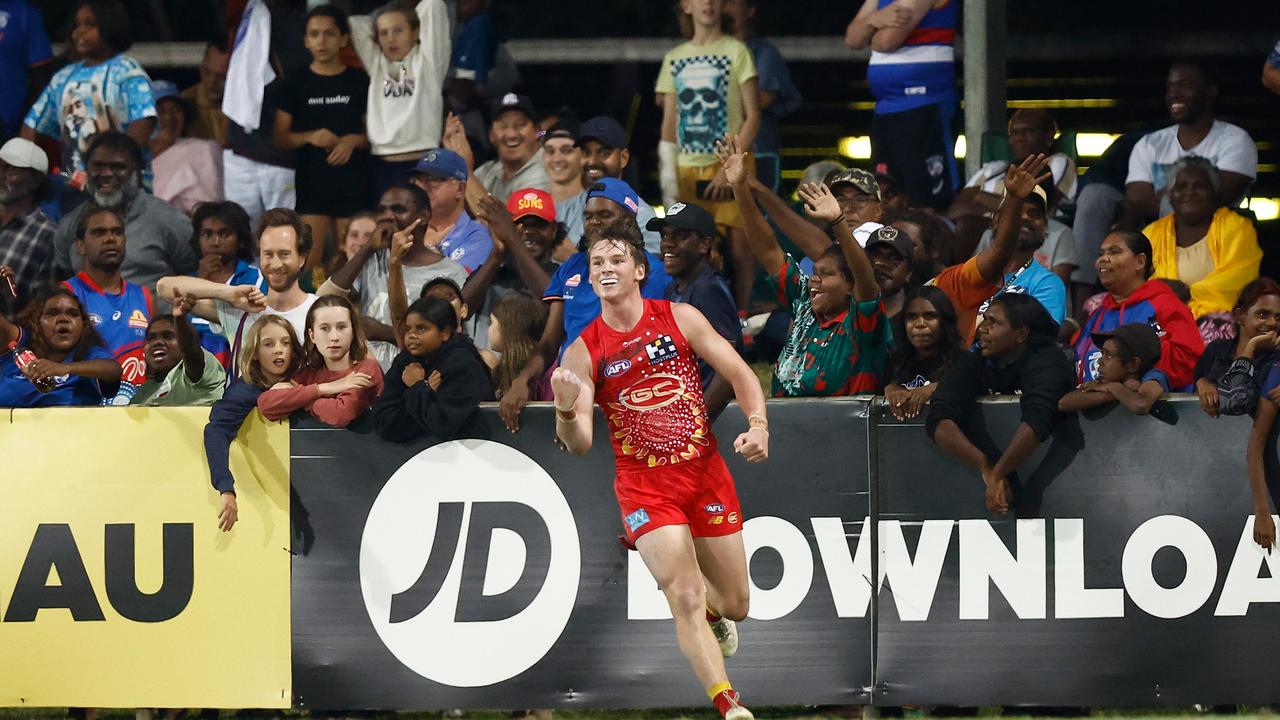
[(661, 350)]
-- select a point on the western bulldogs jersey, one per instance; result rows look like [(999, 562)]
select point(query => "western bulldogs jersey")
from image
[(121, 320)]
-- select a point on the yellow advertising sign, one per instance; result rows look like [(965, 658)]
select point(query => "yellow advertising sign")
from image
[(116, 587)]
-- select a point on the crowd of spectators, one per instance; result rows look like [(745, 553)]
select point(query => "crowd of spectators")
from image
[(361, 219)]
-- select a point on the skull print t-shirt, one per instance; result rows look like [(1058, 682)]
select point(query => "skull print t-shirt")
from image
[(707, 83)]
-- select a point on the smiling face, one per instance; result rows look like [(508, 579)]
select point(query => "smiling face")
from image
[(331, 332), (562, 160), (163, 352), (86, 37), (61, 323), (1192, 195), (515, 137), (323, 39), (103, 242), (1119, 270), (924, 325), (17, 182), (998, 339), (1032, 225), (1187, 95), (279, 258), (275, 353), (421, 338), (830, 291), (614, 271), (599, 161), (705, 13), (113, 177), (537, 234), (358, 234), (1262, 317), (396, 37), (683, 252)]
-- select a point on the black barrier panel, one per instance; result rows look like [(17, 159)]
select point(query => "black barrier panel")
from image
[(446, 580), (1096, 508)]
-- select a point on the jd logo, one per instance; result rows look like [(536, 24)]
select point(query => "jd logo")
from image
[(469, 563), (54, 547)]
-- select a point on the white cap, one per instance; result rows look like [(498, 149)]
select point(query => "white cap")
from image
[(25, 154)]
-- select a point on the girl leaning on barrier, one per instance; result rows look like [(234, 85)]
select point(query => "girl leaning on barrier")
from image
[(930, 343), (271, 355)]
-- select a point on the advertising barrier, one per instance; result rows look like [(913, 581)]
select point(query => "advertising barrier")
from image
[(1127, 576), (489, 574), (116, 587)]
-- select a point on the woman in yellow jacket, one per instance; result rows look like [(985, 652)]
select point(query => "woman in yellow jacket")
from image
[(1211, 249)]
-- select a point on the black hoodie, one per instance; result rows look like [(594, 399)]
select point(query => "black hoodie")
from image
[(402, 414)]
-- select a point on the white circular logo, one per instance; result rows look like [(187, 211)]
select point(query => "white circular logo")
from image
[(469, 563)]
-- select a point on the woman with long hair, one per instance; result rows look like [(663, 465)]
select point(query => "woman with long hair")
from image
[(931, 342)]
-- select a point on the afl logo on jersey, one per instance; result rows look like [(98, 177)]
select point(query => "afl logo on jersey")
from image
[(652, 392), (616, 368)]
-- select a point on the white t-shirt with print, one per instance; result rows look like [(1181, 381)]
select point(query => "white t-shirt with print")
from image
[(1227, 146), (229, 318)]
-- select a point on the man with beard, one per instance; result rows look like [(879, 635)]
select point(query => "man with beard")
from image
[(403, 207), (282, 249), (120, 311), (159, 234), (1022, 274), (26, 233), (524, 233), (688, 236), (603, 143)]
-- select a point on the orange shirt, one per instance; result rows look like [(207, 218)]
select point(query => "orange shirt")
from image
[(964, 285)]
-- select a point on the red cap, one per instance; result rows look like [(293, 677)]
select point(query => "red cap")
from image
[(532, 201)]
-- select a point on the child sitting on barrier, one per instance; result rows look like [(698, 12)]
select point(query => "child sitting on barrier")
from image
[(338, 380), (53, 357), (927, 342), (270, 355), (1126, 372), (435, 386)]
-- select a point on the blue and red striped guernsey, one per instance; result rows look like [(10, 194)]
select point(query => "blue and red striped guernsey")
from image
[(922, 71), (121, 319)]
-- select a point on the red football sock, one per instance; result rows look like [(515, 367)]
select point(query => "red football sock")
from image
[(727, 699)]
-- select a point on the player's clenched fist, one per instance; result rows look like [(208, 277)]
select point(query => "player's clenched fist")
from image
[(753, 445), (566, 386)]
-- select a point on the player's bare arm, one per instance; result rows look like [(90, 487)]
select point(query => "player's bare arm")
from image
[(574, 393), (753, 444)]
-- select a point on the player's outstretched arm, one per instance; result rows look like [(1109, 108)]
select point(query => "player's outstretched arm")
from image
[(573, 393), (728, 364)]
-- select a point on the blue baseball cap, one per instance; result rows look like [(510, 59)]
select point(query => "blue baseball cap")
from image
[(161, 89), (616, 190), (605, 130), (441, 163)]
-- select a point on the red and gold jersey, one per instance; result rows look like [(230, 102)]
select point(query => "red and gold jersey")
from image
[(648, 386)]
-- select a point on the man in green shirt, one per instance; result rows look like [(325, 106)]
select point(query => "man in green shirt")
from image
[(179, 371)]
